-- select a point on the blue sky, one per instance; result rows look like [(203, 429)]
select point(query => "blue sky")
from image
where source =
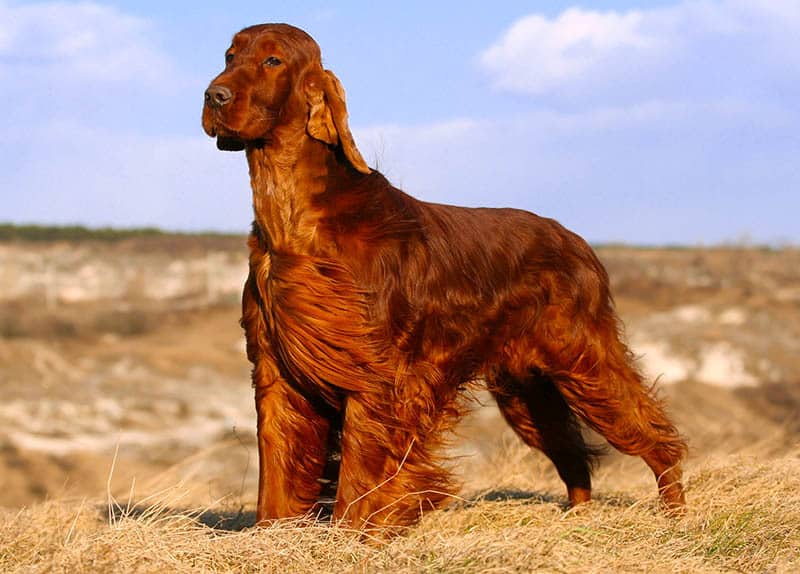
[(643, 122)]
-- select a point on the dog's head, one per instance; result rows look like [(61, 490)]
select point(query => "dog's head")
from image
[(273, 77)]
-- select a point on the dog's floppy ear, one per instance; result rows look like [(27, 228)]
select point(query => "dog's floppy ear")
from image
[(327, 115)]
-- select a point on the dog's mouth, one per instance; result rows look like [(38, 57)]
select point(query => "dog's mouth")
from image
[(229, 138), (229, 143), (226, 140)]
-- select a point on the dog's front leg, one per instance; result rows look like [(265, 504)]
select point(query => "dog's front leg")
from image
[(292, 447), (292, 434), (390, 471)]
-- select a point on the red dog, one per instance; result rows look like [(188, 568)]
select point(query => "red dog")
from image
[(367, 311)]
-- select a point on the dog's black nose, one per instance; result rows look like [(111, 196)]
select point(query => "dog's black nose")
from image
[(218, 96)]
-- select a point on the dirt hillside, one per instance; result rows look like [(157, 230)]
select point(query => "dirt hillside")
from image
[(134, 345)]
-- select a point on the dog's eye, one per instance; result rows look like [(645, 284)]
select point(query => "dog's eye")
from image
[(229, 57), (272, 61)]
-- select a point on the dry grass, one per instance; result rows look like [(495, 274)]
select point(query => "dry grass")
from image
[(744, 515)]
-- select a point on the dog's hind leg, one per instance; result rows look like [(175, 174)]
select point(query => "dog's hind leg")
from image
[(541, 417), (603, 387)]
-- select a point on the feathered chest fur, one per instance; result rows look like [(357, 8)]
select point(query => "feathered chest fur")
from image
[(317, 325)]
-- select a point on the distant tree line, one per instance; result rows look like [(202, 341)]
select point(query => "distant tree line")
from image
[(13, 232)]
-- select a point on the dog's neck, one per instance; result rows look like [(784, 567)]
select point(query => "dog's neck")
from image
[(286, 175)]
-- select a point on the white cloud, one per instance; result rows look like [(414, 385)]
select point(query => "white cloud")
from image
[(690, 50), (537, 54), (89, 96), (75, 43), (93, 108), (86, 63)]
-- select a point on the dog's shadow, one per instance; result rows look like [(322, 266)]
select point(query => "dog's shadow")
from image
[(227, 521), (239, 520), (529, 497), (218, 520), (511, 494)]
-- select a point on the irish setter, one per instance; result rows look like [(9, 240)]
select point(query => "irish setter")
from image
[(367, 312)]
